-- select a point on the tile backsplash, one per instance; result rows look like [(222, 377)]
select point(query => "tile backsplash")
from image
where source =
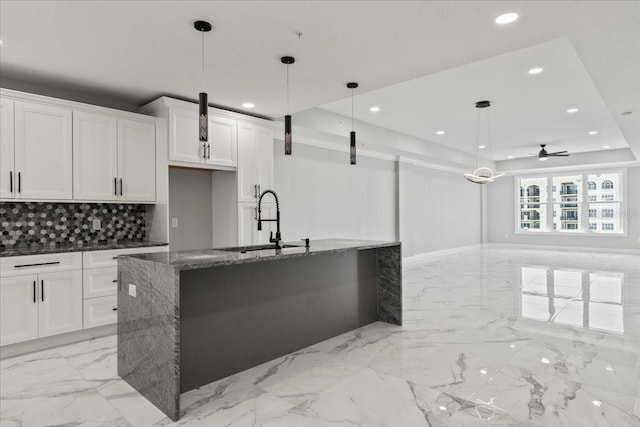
[(29, 223)]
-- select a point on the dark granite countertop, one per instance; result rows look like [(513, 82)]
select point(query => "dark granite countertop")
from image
[(205, 258), (40, 249)]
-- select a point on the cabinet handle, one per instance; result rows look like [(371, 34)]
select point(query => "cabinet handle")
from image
[(114, 309), (255, 213), (121, 186), (42, 290), (34, 291), (19, 182), (10, 181), (115, 186), (209, 153), (34, 265), (204, 150), (255, 191), (114, 281)]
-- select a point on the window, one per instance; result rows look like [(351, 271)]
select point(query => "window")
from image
[(570, 204)]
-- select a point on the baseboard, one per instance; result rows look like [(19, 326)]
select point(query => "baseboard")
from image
[(443, 252), (561, 248), (21, 348)]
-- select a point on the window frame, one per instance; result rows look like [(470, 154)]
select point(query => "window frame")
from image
[(585, 230)]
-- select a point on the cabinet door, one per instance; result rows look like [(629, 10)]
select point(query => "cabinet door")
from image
[(18, 309), (248, 163), (100, 311), (223, 137), (7, 171), (43, 156), (60, 302), (95, 159), (248, 233), (184, 145), (265, 157), (99, 282), (136, 161)]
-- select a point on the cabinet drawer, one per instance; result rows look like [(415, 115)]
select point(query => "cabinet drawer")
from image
[(100, 311), (99, 282), (19, 265), (98, 259)]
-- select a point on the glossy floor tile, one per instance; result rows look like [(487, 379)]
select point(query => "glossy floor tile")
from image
[(491, 337)]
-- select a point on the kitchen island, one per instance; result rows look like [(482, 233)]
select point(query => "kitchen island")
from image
[(189, 318)]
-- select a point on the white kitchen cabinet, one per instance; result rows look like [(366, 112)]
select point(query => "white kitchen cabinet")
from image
[(95, 156), (255, 160), (60, 306), (99, 282), (7, 169), (40, 305), (18, 309), (100, 311), (248, 233), (114, 159), (185, 146), (43, 151), (136, 161)]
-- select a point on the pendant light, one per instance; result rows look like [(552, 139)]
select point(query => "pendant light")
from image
[(481, 175), (352, 135), (287, 60), (203, 108)]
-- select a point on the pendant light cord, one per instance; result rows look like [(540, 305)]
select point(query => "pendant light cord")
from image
[(203, 77), (352, 110), (288, 106), (478, 139)]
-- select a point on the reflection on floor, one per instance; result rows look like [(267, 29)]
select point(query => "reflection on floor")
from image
[(491, 337)]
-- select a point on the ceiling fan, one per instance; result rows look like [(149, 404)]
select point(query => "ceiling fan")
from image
[(544, 155)]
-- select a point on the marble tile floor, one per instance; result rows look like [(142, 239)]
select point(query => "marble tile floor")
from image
[(492, 337)]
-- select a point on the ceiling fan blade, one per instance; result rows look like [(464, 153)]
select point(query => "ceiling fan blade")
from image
[(559, 154)]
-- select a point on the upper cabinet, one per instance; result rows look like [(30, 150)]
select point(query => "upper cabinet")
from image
[(113, 158), (42, 147), (7, 165), (255, 160), (185, 146), (63, 150)]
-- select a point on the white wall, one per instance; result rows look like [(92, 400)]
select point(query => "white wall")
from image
[(438, 209), (501, 205), (190, 200), (322, 196)]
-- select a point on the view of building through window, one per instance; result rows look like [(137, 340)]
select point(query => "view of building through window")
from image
[(570, 211)]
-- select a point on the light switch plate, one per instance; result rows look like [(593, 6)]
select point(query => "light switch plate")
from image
[(132, 290), (97, 224), (174, 222)]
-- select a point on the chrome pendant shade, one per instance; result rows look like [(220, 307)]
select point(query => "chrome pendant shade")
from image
[(352, 135), (481, 175), (203, 106), (287, 60)]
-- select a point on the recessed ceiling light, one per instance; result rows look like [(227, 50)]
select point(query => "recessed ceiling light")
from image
[(510, 157), (506, 18), (572, 110), (442, 408), (593, 132), (606, 146), (536, 70), (543, 159), (481, 146), (609, 368), (512, 345), (374, 109), (483, 371), (597, 403), (440, 132), (545, 360), (248, 105)]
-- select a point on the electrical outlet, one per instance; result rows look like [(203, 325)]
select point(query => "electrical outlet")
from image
[(97, 224), (174, 222), (132, 290)]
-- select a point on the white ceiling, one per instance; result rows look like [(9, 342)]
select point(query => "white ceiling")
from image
[(138, 50)]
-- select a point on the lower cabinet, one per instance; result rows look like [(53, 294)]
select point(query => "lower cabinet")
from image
[(100, 311), (248, 233), (40, 305)]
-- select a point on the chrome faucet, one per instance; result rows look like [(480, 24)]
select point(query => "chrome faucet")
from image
[(278, 239)]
